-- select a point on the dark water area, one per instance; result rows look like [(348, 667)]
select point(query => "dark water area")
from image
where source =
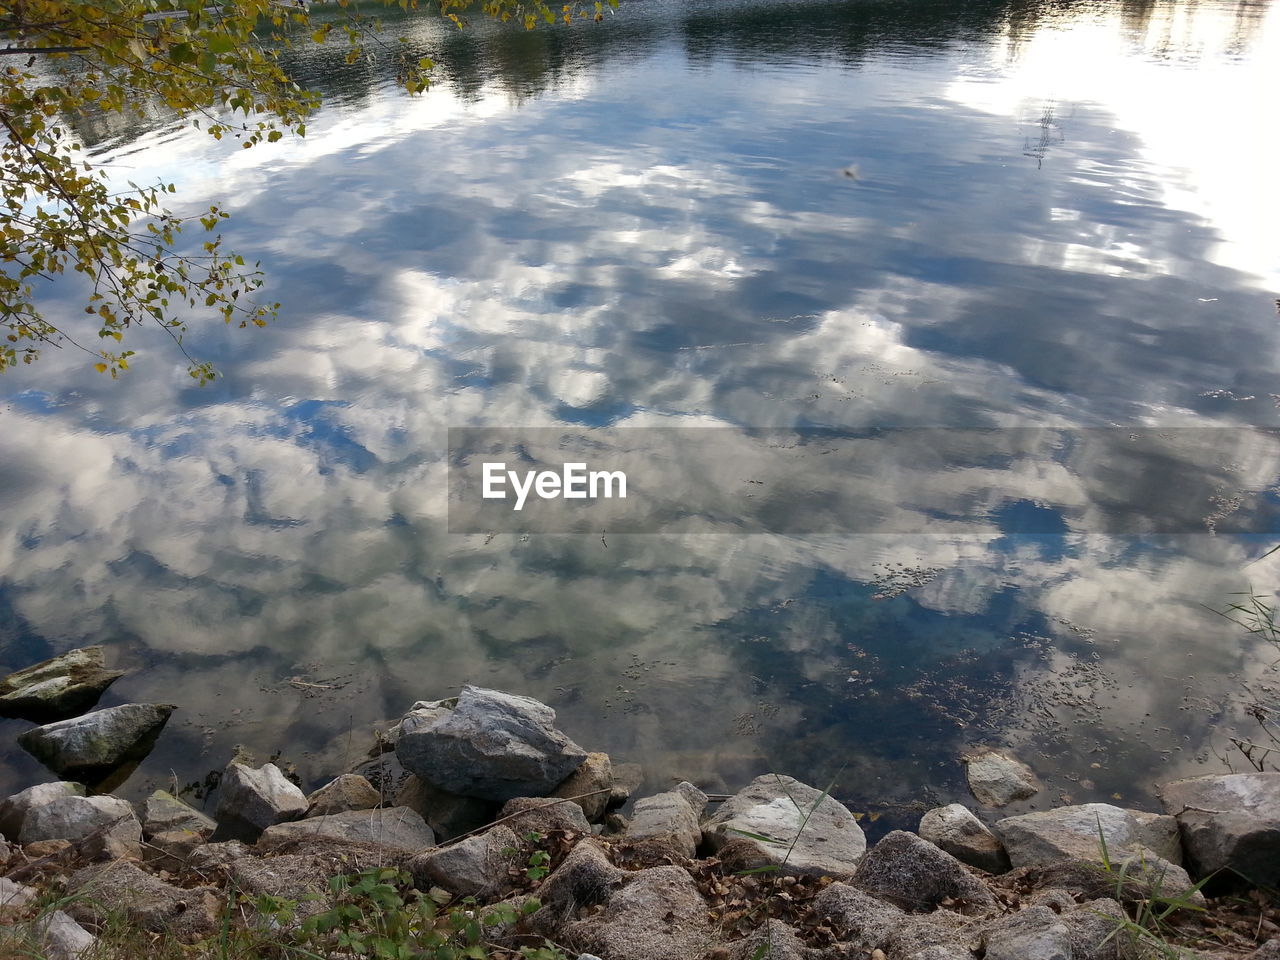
[(835, 217)]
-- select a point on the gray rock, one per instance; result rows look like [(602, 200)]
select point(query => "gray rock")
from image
[(347, 792), (62, 938), (396, 827), (1095, 931), (586, 878), (490, 745), (14, 896), (448, 814), (911, 872), (90, 747), (656, 913), (594, 776), (108, 821), (188, 913), (939, 952), (814, 839), (15, 809), (956, 830), (1229, 823), (64, 686), (1268, 951), (252, 799), (1036, 933), (668, 818), (208, 859), (165, 813), (477, 866), (1072, 833), (941, 934), (539, 815), (997, 779), (860, 919), (774, 940)]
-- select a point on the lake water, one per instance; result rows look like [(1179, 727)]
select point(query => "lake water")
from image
[(824, 219)]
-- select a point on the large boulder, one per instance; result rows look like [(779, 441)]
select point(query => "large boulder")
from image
[(808, 832), (998, 779), (251, 799), (396, 827), (488, 744), (956, 830), (912, 873), (108, 822), (669, 820), (56, 689), (14, 810), (1079, 832), (90, 747), (165, 813), (1230, 823)]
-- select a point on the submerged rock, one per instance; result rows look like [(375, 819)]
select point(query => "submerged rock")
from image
[(90, 747), (956, 830), (488, 744), (252, 799), (58, 688), (812, 837), (997, 779), (1229, 822)]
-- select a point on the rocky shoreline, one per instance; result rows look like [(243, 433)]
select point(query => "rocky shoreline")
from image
[(503, 838)]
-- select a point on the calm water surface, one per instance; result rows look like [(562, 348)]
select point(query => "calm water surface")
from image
[(738, 214)]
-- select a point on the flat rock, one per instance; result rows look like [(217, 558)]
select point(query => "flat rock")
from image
[(594, 777), (1034, 933), (813, 838), (655, 913), (998, 779), (1073, 833), (397, 827), (347, 792), (912, 873), (165, 813), (15, 808), (92, 746), (488, 744), (188, 913), (956, 830), (1230, 823), (107, 821), (58, 688), (477, 866), (669, 818), (448, 814), (251, 799)]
